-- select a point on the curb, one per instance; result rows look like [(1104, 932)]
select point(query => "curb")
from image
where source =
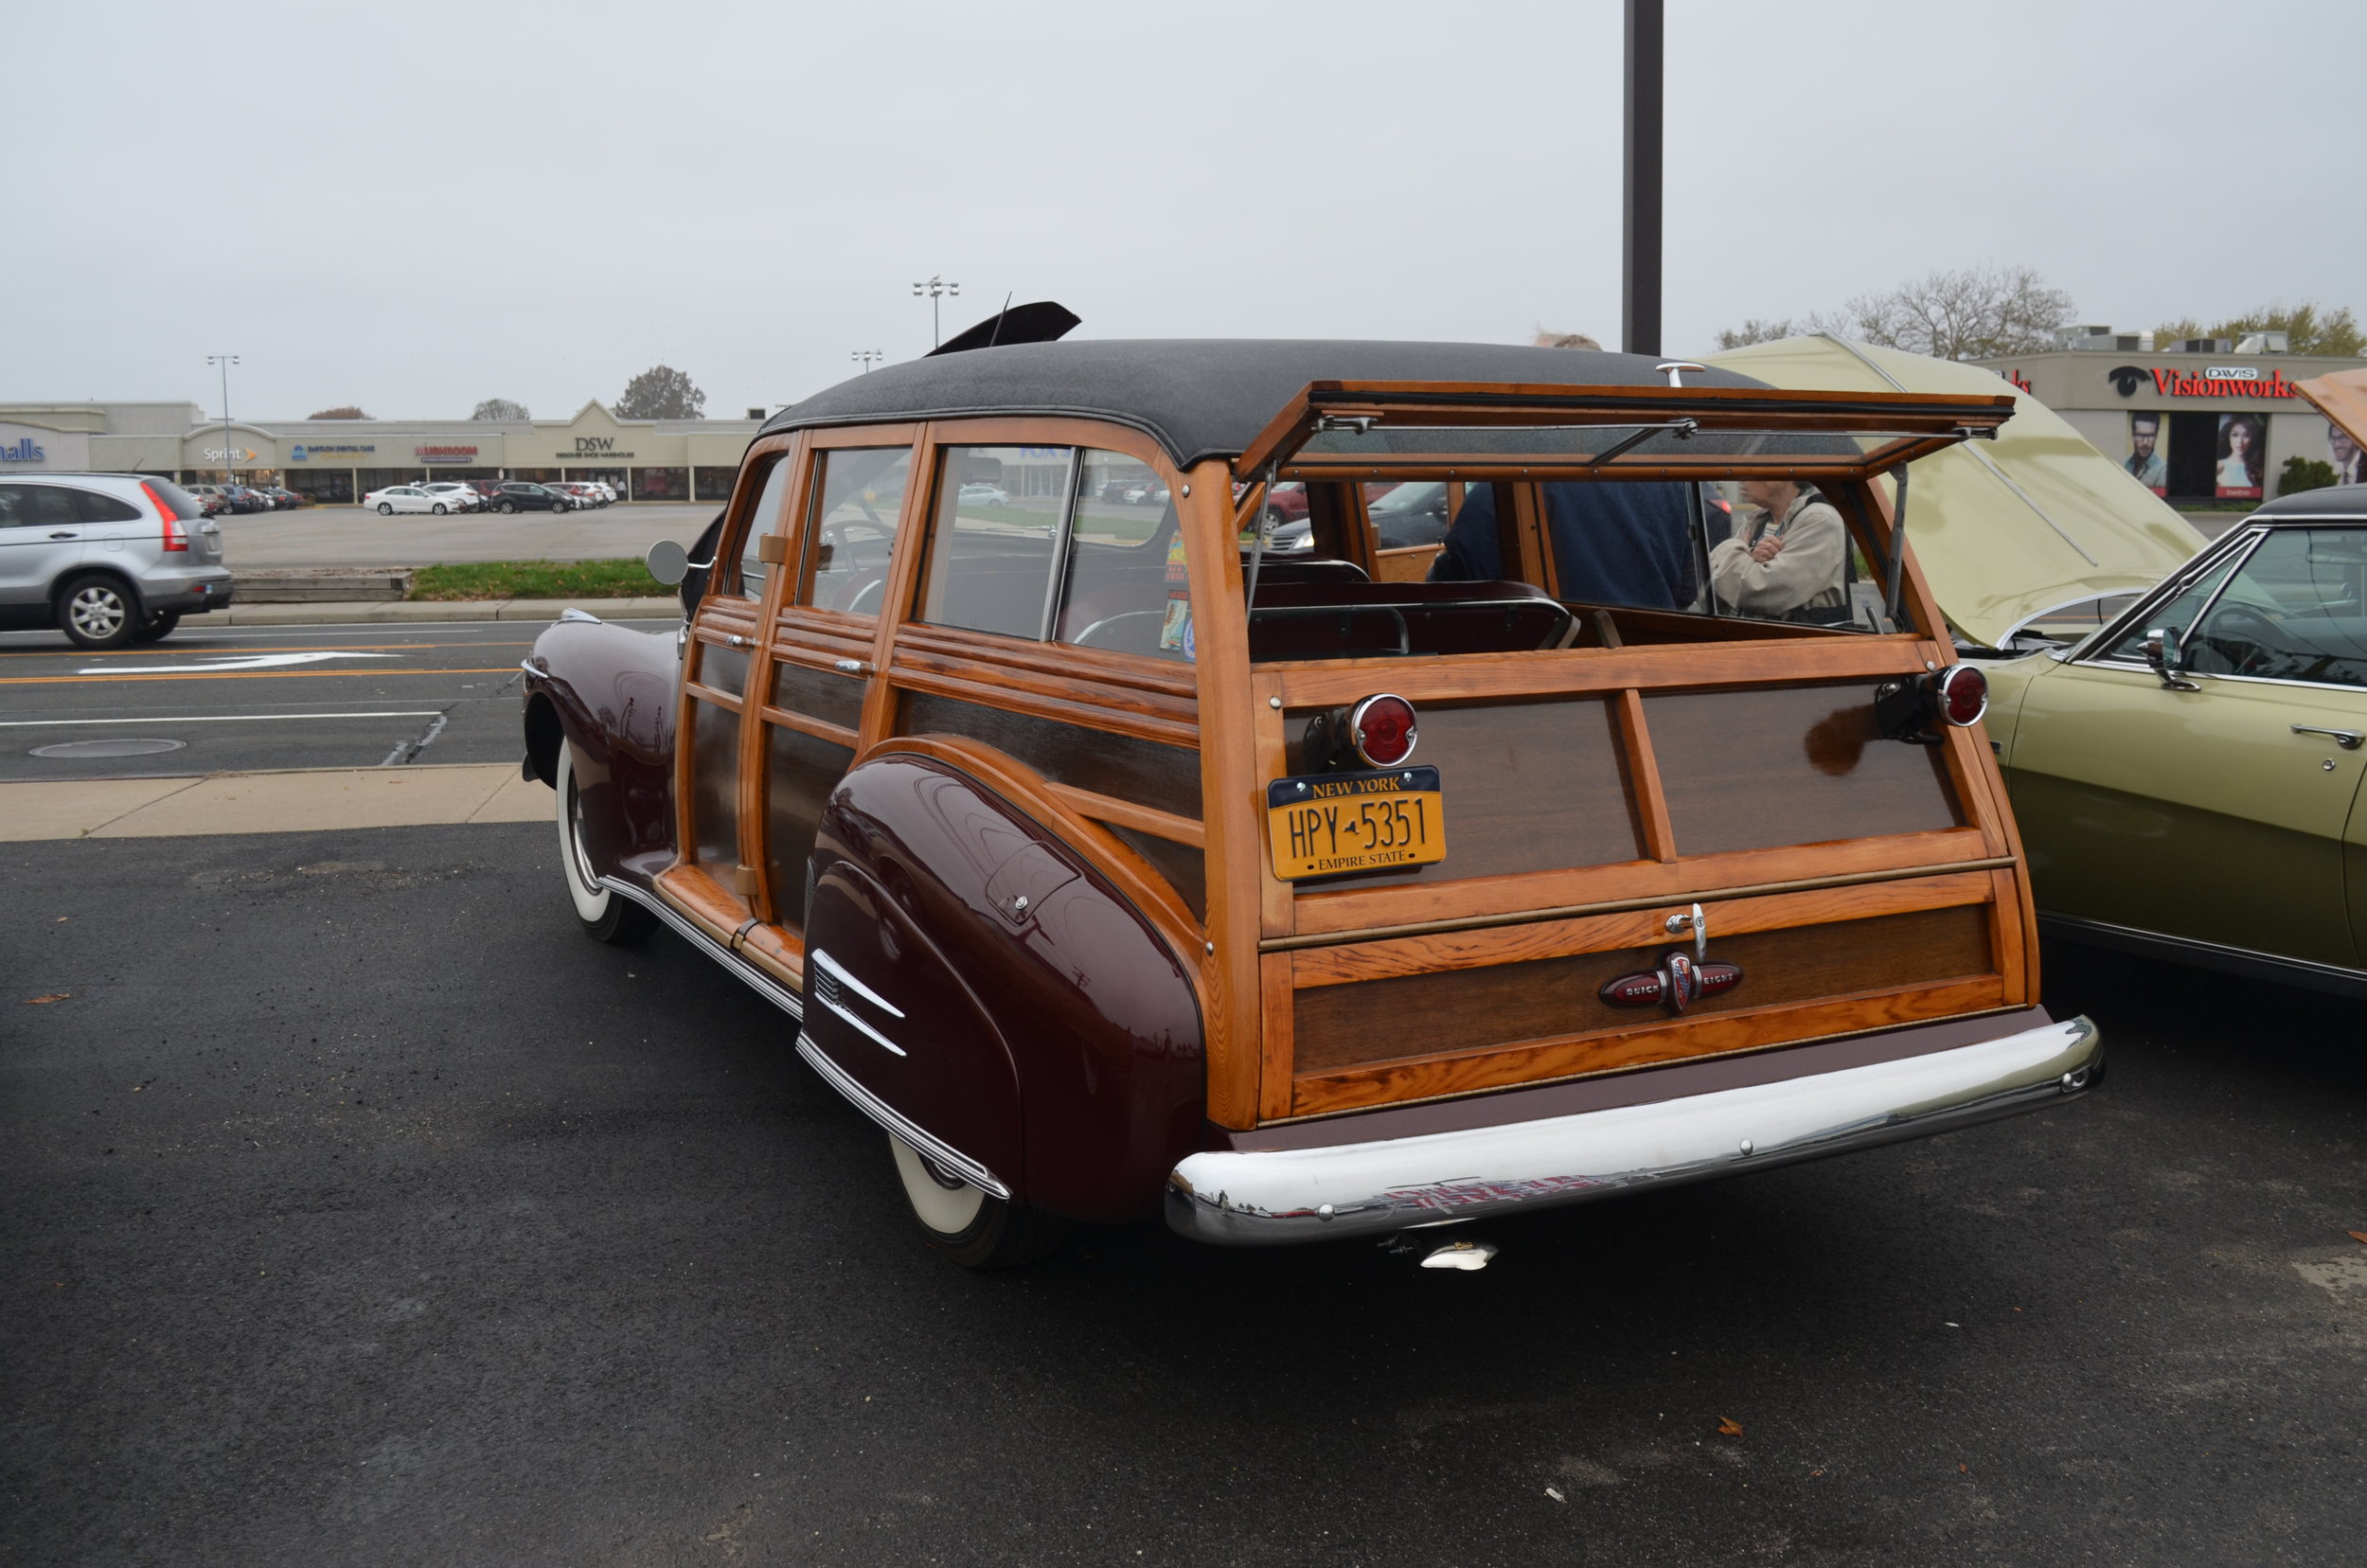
[(368, 612)]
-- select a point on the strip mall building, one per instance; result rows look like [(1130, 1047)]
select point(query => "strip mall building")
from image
[(339, 460), (2198, 423)]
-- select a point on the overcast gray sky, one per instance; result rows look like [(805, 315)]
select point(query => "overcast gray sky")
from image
[(412, 207)]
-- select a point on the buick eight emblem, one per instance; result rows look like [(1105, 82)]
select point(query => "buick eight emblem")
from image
[(1680, 981)]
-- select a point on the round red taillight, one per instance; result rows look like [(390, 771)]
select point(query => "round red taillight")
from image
[(1384, 731), (1964, 694)]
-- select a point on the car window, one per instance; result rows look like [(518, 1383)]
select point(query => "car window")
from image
[(177, 501), (2176, 614), (992, 541), (1125, 587), (764, 519), (851, 535), (2296, 610), (36, 506), (96, 508)]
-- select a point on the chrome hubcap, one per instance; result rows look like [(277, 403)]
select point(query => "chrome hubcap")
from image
[(96, 612)]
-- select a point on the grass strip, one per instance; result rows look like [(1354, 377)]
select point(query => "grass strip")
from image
[(536, 579)]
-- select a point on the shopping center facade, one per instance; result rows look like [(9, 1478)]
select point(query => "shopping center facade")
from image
[(2196, 423), (340, 460)]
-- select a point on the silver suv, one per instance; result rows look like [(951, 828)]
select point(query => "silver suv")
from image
[(108, 558)]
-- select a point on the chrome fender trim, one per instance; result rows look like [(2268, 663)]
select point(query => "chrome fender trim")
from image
[(756, 980), (895, 1122), (1264, 1197)]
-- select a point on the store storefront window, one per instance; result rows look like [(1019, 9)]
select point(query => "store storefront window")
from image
[(661, 484), (323, 487), (537, 477), (378, 478), (613, 478), (714, 484)]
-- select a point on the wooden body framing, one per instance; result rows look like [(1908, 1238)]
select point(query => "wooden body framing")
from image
[(1262, 947)]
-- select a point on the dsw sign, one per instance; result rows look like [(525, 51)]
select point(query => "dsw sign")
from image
[(598, 446)]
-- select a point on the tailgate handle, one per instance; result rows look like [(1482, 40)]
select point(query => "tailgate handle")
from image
[(1698, 925)]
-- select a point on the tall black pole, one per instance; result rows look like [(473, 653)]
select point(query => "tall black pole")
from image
[(1640, 184)]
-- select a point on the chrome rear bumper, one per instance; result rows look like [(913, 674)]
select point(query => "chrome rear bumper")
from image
[(1266, 1197)]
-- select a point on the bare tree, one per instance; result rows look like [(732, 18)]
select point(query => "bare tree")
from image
[(2311, 332), (500, 409), (1562, 340), (660, 392), (1979, 313), (346, 412)]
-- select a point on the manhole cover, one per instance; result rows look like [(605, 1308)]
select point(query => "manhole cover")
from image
[(108, 748)]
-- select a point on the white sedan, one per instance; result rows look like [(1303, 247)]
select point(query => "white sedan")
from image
[(455, 494), (405, 498)]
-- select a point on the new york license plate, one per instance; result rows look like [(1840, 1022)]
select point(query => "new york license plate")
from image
[(1324, 824)]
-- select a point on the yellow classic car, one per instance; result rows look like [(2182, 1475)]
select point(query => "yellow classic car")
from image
[(2187, 777)]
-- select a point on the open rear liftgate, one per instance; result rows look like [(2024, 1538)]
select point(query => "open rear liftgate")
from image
[(1595, 798)]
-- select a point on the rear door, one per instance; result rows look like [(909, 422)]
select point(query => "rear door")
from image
[(41, 538), (1602, 781)]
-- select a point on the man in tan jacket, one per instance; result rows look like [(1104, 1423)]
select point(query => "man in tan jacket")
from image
[(1789, 561)]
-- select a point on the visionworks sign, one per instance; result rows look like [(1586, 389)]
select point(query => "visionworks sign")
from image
[(2216, 381)]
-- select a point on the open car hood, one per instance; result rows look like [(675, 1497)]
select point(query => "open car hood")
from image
[(2005, 530), (2341, 397)]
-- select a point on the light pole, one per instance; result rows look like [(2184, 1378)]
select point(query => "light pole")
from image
[(867, 358), (934, 287), (1640, 182), (225, 361)]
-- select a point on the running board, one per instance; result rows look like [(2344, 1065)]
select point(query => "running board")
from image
[(756, 980)]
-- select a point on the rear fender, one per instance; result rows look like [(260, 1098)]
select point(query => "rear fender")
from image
[(1096, 1017)]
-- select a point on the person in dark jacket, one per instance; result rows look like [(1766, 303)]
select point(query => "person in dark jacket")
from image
[(1613, 543)]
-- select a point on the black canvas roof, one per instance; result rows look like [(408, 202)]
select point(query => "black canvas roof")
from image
[(1197, 396), (2332, 500)]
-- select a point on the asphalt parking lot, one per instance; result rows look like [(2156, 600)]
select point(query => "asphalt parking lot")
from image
[(362, 1212), (243, 698)]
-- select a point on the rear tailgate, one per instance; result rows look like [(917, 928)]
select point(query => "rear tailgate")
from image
[(1592, 797)]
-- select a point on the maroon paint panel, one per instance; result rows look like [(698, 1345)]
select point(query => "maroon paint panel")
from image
[(614, 693), (955, 1078), (1097, 1014)]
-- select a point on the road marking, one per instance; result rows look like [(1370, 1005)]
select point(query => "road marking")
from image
[(240, 661), (149, 652), (241, 675), (215, 719)]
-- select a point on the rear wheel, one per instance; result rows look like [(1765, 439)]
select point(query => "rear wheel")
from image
[(607, 915), (96, 612), (157, 627), (969, 1224), (438, 508)]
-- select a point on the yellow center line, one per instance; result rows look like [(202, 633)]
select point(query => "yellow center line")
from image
[(246, 675)]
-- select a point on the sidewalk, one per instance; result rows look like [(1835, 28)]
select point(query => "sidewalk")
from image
[(367, 612), (298, 801)]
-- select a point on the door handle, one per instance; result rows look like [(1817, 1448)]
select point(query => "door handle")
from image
[(66, 536), (2347, 739)]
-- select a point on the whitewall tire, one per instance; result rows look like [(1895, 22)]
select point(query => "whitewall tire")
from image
[(970, 1225), (606, 914)]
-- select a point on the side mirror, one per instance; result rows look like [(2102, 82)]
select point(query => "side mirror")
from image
[(2162, 653), (668, 562)]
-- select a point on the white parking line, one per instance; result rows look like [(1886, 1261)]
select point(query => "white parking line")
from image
[(216, 719), (242, 661)]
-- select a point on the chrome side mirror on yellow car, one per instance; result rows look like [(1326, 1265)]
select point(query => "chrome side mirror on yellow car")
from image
[(2162, 653)]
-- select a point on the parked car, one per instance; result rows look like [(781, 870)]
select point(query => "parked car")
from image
[(985, 496), (405, 498), (456, 493), (2187, 777), (585, 493), (108, 558), (282, 498), (1330, 907), (517, 495), (211, 499)]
